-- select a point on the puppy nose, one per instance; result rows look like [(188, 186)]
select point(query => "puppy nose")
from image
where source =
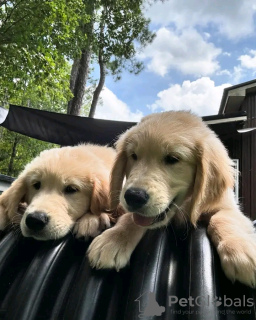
[(136, 198), (37, 220)]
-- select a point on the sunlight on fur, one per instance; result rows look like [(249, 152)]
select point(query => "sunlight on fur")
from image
[(176, 169), (64, 189)]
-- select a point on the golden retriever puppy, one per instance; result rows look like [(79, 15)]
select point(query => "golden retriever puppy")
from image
[(175, 164), (63, 188)]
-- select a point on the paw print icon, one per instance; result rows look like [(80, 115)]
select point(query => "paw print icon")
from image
[(152, 307), (217, 301)]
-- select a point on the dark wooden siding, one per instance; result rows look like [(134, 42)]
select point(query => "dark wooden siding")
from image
[(248, 169), (253, 173), (249, 105), (243, 147), (245, 170)]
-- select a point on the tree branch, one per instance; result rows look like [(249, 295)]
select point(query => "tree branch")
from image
[(99, 87), (102, 65), (11, 12)]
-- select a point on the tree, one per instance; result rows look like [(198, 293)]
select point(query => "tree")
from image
[(17, 149), (36, 39), (114, 33)]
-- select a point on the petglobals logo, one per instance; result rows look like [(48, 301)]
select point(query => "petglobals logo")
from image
[(152, 307), (207, 301), (149, 307)]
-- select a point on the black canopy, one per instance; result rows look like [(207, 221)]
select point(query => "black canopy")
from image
[(70, 130), (61, 128)]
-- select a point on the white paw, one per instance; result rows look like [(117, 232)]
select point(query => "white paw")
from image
[(110, 250), (90, 225), (238, 259)]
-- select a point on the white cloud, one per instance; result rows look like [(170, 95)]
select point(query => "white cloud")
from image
[(113, 108), (187, 52), (206, 35), (249, 60), (234, 19), (200, 96), (223, 72), (237, 74), (245, 70)]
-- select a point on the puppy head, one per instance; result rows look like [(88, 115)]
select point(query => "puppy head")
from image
[(169, 159), (59, 187)]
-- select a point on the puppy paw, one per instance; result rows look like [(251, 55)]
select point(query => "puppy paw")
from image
[(238, 259), (110, 250), (90, 225)]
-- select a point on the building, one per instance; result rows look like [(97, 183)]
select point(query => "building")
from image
[(242, 145)]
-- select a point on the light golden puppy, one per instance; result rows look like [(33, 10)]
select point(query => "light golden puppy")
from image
[(63, 188), (174, 164)]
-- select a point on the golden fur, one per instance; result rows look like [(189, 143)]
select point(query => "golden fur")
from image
[(70, 185), (183, 168)]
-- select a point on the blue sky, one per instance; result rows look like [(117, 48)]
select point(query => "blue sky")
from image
[(201, 47)]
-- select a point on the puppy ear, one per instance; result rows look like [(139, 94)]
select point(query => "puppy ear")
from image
[(11, 198), (118, 171), (116, 178), (214, 175), (100, 196)]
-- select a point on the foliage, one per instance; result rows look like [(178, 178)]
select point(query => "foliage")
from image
[(126, 31), (36, 39), (26, 149), (115, 32), (16, 149), (51, 96)]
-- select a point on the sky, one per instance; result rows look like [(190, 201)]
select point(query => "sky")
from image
[(200, 48)]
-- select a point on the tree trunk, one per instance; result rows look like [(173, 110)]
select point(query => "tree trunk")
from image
[(102, 65), (14, 147), (74, 73), (99, 87), (79, 76), (81, 66)]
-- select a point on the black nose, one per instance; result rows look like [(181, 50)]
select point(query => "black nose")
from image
[(37, 220), (136, 198)]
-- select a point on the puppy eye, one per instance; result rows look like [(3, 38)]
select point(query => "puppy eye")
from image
[(70, 189), (37, 185), (134, 156), (171, 159)]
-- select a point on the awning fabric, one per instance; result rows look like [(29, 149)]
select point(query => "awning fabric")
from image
[(61, 128), (65, 129)]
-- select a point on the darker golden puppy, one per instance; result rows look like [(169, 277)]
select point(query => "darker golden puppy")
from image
[(175, 165)]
